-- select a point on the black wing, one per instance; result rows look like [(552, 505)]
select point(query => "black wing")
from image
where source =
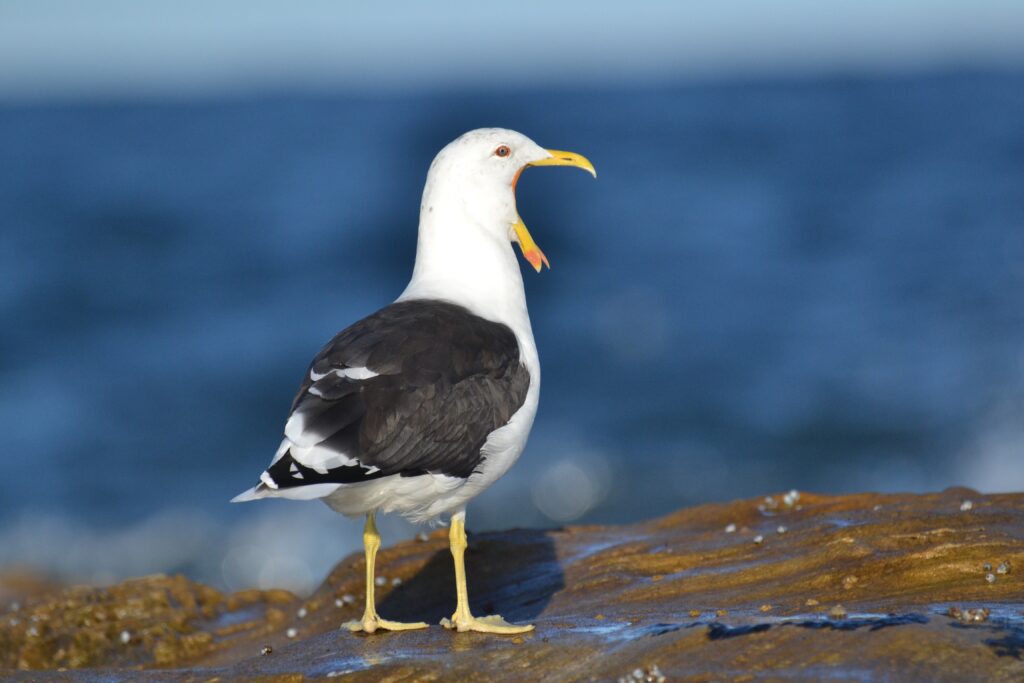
[(415, 388)]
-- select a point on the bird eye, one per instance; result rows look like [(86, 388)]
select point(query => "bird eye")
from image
[(502, 151)]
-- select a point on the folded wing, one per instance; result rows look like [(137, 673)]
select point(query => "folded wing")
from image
[(415, 388)]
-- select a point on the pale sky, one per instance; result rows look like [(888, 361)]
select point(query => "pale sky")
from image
[(65, 48)]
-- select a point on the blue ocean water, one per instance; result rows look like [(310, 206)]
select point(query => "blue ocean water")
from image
[(814, 284)]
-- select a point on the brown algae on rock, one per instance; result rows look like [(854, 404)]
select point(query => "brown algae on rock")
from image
[(157, 620)]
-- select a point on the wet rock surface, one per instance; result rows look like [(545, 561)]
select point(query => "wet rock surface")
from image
[(791, 587)]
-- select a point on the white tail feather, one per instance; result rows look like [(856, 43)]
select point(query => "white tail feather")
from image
[(310, 492), (251, 494)]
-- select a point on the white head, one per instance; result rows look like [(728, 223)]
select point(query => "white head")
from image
[(475, 175)]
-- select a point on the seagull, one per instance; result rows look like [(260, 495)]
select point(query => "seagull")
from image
[(419, 407)]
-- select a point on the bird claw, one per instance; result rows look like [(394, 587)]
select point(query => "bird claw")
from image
[(373, 624), (489, 624)]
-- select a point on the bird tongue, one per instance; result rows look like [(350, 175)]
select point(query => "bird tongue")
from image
[(531, 252)]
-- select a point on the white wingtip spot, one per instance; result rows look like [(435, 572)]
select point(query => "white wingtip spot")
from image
[(357, 373), (268, 480)]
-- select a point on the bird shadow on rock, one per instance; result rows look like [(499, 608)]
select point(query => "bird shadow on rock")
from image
[(1008, 636), (512, 573)]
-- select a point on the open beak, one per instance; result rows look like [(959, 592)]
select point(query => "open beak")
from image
[(531, 252)]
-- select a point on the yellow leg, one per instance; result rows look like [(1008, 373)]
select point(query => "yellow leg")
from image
[(462, 620), (371, 621)]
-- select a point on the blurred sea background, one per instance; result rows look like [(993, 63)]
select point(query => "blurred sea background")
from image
[(801, 273)]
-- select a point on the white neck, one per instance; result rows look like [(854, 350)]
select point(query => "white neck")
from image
[(461, 260)]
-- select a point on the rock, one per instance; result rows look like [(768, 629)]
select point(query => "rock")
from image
[(153, 621), (676, 597)]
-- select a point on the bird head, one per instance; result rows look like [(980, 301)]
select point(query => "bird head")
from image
[(485, 165)]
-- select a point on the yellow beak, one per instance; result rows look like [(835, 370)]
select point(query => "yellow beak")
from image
[(520, 235), (559, 158)]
